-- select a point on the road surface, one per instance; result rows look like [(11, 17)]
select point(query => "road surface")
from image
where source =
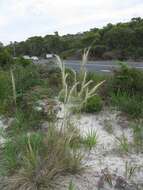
[(97, 66)]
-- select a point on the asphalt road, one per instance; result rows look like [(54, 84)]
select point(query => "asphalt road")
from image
[(97, 66)]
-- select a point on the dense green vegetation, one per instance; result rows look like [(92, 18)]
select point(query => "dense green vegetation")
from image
[(125, 90), (119, 41), (30, 156)]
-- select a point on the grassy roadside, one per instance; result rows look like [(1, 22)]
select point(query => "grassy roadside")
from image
[(32, 155)]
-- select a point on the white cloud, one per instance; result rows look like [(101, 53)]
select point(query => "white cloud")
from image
[(20, 19)]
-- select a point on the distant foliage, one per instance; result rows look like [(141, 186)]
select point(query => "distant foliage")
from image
[(5, 59), (22, 61), (120, 41)]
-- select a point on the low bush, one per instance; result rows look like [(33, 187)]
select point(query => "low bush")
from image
[(93, 104), (26, 77), (131, 105), (127, 80), (125, 91)]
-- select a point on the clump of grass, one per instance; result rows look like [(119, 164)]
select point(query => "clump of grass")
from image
[(38, 158), (90, 140), (123, 143), (71, 186), (80, 91), (130, 169)]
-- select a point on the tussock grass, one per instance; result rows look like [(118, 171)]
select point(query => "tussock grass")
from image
[(124, 144), (39, 157), (81, 89), (71, 186), (91, 139)]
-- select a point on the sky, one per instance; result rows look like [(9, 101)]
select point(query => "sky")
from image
[(20, 19)]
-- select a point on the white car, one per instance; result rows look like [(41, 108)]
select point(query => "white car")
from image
[(34, 58), (49, 56), (26, 57)]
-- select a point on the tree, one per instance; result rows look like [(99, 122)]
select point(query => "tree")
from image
[(123, 38), (1, 45)]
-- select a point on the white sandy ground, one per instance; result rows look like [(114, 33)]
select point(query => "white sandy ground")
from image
[(105, 157), (2, 127)]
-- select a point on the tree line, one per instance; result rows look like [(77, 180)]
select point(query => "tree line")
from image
[(114, 41)]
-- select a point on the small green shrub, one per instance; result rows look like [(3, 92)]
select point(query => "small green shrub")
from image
[(26, 78), (127, 80), (125, 90), (131, 105), (94, 104)]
